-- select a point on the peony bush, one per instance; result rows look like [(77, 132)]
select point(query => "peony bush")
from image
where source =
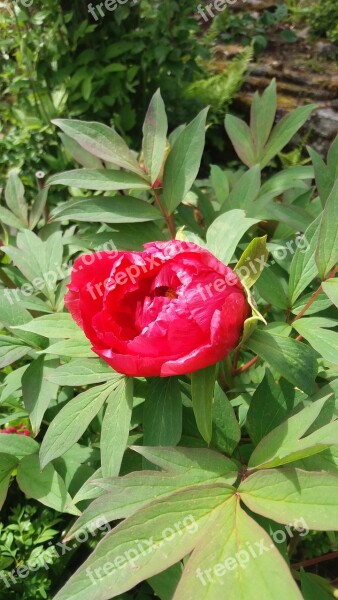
[(169, 354)]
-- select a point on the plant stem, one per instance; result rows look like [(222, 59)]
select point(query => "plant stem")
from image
[(169, 218), (314, 296), (314, 561), (246, 366)]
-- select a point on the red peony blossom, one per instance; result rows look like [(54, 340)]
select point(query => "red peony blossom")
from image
[(169, 310)]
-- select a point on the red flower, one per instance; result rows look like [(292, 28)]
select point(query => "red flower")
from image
[(171, 309)]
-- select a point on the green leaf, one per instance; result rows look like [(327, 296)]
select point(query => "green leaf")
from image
[(38, 261), (164, 584), (256, 251), (225, 233), (241, 138), (220, 183), (38, 207), (101, 141), (284, 132), (178, 459), (11, 350), (241, 558), (245, 190), (115, 427), (291, 495), (83, 372), (323, 341), (193, 508), (270, 405), (155, 131), (56, 326), (45, 486), (202, 392), (120, 209), (226, 430), (125, 495), (324, 181), (303, 265), (84, 158), (8, 463), (78, 347), (263, 113), (162, 414), (330, 288), (17, 445), (312, 589), (106, 180), (15, 197), (72, 421), (7, 217), (273, 288), (183, 162), (293, 359), (291, 440), (326, 253), (37, 392)]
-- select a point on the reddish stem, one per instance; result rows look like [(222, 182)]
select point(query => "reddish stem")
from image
[(169, 218), (246, 366), (314, 561), (314, 296)]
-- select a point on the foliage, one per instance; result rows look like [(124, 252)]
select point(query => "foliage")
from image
[(58, 60), (323, 19), (247, 28), (256, 461)]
